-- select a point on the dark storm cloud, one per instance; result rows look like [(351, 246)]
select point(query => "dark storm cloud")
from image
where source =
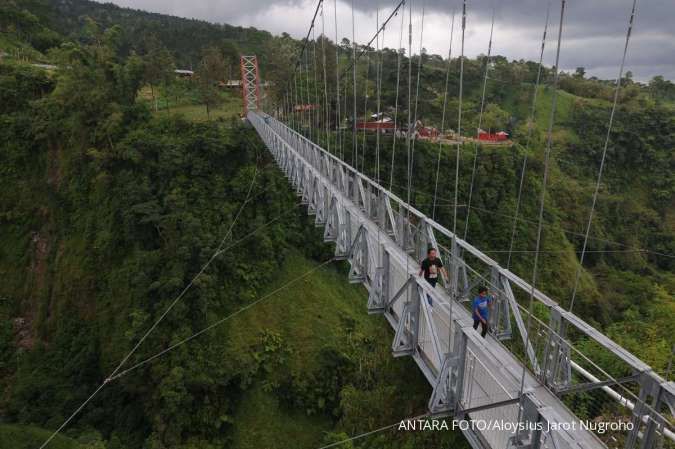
[(582, 17), (593, 30)]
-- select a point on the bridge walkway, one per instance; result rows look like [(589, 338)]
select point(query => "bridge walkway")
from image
[(470, 376)]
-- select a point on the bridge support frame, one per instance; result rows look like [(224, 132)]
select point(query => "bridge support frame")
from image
[(447, 391), (455, 267), (648, 427), (510, 298), (407, 329), (528, 435), (359, 257), (500, 319), (556, 371), (379, 290)]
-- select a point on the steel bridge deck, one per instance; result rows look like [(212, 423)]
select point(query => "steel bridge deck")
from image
[(471, 376)]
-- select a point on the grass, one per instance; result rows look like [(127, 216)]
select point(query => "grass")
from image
[(29, 437), (519, 105), (300, 314), (187, 104), (197, 113), (310, 314), (261, 422), (18, 50)]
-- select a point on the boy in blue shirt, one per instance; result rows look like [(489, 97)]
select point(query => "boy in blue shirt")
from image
[(481, 310)]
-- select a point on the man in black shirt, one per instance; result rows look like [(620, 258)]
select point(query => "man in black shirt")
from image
[(431, 266)]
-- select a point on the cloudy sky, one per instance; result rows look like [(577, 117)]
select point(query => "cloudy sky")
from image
[(593, 31)]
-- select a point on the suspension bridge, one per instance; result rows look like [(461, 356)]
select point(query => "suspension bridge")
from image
[(527, 371), (526, 384), (383, 238)]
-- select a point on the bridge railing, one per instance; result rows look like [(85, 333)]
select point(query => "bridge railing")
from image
[(550, 356), (606, 392)]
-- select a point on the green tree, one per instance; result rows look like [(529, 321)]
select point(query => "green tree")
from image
[(159, 67), (231, 55), (210, 71), (661, 88), (494, 117)]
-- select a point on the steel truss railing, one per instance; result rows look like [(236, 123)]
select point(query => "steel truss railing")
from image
[(382, 237)]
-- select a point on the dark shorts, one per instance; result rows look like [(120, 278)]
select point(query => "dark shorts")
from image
[(484, 327), (432, 281)]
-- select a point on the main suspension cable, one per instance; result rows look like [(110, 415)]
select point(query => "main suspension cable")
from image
[(295, 106), (326, 115), (480, 123), (445, 104), (542, 198), (417, 97), (530, 128), (365, 116), (459, 121), (307, 110), (338, 116), (604, 154), (399, 55), (298, 61), (355, 147), (408, 130), (382, 27), (406, 225), (316, 112), (378, 87)]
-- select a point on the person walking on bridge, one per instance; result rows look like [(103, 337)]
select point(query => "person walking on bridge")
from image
[(431, 266), (481, 310)]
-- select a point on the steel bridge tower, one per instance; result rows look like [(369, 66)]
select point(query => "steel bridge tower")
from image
[(250, 86)]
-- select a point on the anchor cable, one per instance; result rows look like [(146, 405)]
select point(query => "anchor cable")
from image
[(164, 314), (219, 322)]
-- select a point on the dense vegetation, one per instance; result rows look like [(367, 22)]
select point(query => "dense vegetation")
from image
[(119, 181), (109, 209), (626, 283)]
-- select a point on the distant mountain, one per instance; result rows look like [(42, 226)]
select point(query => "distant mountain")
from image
[(185, 38)]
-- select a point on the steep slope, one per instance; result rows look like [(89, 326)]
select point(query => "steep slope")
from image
[(112, 211), (108, 210), (27, 437)]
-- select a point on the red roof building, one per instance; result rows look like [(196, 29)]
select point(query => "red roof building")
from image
[(373, 126), (485, 136), (379, 122)]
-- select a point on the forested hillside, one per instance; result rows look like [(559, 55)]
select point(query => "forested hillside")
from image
[(119, 182), (109, 208)]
